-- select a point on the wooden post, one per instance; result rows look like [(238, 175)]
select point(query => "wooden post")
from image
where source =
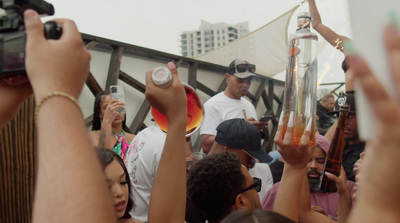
[(18, 166)]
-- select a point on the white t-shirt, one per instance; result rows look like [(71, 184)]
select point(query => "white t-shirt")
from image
[(262, 171), (220, 108), (142, 161)]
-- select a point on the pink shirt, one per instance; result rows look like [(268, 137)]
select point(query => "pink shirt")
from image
[(327, 201)]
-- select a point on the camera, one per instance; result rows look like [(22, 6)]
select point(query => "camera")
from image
[(13, 36)]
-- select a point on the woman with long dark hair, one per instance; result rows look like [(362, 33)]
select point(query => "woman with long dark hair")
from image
[(118, 182), (107, 129)]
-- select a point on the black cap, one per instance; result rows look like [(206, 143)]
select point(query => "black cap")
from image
[(239, 134), (347, 98)]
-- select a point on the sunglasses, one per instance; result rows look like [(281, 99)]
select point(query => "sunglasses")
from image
[(241, 68), (253, 159), (255, 185)]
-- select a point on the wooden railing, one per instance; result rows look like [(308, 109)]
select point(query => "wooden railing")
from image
[(268, 94), (18, 141)]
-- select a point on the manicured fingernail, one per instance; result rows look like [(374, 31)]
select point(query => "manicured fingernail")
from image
[(171, 65), (308, 128), (280, 123), (349, 47), (393, 19), (328, 174), (290, 122)]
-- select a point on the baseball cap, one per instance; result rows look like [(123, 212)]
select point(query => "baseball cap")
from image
[(241, 68), (347, 98), (239, 134)]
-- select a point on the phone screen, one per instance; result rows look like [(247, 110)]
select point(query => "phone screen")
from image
[(12, 54)]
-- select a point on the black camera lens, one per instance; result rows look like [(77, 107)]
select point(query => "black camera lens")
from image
[(113, 90)]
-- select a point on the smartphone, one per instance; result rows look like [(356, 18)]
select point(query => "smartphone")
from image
[(265, 118), (117, 93)]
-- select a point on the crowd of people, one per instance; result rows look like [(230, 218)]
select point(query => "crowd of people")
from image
[(144, 178)]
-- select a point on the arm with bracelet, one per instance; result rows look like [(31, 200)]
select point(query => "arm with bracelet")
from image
[(70, 185)]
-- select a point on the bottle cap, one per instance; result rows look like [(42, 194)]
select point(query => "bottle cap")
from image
[(304, 15), (161, 76)]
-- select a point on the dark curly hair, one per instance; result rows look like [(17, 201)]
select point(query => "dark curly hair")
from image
[(213, 182), (245, 216), (97, 110), (106, 156)]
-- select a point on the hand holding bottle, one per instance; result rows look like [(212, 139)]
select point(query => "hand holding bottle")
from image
[(296, 155), (170, 101)]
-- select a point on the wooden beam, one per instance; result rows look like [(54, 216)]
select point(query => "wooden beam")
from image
[(260, 89), (271, 93), (275, 127), (192, 80), (222, 86), (89, 121), (18, 165), (93, 85), (115, 64), (252, 98), (137, 123), (90, 45), (265, 100), (205, 89), (132, 81)]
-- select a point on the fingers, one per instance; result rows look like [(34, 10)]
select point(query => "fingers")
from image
[(278, 134), (380, 101), (305, 138), (250, 119), (289, 131), (392, 40), (69, 29), (333, 177), (172, 67), (34, 28)]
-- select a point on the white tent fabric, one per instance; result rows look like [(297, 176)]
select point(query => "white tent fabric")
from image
[(266, 47)]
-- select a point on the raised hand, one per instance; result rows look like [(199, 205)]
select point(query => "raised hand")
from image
[(296, 156), (112, 110), (67, 53)]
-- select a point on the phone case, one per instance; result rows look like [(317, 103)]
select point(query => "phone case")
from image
[(117, 93)]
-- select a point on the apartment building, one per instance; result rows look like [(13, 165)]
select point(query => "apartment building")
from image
[(210, 36)]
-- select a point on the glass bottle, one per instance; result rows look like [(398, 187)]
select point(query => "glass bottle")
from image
[(162, 77), (334, 157), (301, 79)]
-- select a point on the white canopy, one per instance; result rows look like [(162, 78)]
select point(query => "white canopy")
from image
[(266, 47)]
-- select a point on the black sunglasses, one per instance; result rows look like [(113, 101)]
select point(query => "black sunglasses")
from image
[(241, 68), (255, 185)]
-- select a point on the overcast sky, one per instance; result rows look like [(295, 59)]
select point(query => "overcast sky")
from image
[(157, 24)]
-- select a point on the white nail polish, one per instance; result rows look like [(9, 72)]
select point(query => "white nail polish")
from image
[(290, 122), (308, 128), (280, 123)]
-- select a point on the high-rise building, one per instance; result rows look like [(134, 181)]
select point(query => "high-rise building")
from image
[(210, 36)]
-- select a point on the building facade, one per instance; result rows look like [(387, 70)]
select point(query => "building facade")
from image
[(210, 36)]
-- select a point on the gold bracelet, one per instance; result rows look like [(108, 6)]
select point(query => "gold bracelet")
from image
[(52, 94)]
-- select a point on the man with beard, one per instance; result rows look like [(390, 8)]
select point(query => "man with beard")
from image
[(230, 103), (326, 203)]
